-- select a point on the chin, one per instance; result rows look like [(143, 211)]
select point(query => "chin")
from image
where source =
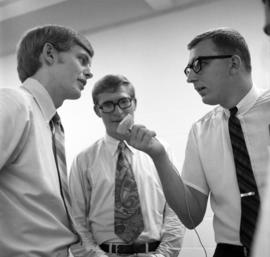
[(209, 101), (75, 95)]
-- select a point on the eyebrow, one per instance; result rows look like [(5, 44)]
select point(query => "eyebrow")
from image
[(197, 59), (193, 60)]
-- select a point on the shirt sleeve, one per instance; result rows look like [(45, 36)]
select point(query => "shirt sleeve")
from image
[(261, 246), (14, 125), (172, 234), (80, 192)]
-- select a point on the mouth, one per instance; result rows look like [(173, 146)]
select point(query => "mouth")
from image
[(117, 120), (82, 83), (200, 89)]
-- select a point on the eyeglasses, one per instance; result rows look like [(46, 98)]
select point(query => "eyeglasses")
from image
[(196, 65), (109, 106)]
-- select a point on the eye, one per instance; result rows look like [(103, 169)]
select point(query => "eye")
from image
[(196, 65), (124, 101), (83, 60), (107, 104), (204, 62)]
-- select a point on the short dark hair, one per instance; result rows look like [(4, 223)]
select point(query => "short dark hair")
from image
[(111, 83), (227, 41), (32, 43)]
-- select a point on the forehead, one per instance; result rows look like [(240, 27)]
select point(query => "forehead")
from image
[(122, 91), (203, 48), (78, 50)]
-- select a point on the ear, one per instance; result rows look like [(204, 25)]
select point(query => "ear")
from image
[(97, 111), (236, 64), (49, 53), (135, 103)]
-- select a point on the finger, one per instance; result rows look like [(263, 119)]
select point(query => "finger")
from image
[(145, 134), (141, 139)]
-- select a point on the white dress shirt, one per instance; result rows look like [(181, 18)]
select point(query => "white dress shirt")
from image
[(33, 221), (209, 164), (261, 245), (92, 183)]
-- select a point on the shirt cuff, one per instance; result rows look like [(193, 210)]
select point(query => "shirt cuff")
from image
[(158, 255)]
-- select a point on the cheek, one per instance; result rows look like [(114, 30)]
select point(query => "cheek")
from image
[(73, 69), (106, 122)]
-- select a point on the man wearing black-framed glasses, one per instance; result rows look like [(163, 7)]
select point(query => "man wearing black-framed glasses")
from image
[(117, 197), (226, 156)]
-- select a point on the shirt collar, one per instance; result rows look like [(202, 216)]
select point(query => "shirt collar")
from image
[(246, 103), (112, 145), (41, 97)]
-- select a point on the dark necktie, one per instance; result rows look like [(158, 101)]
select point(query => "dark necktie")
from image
[(128, 219), (250, 200)]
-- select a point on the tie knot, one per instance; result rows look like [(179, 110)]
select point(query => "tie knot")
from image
[(121, 146), (56, 119), (233, 111), (56, 122)]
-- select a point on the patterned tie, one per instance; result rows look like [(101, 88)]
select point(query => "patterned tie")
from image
[(128, 219), (250, 200)]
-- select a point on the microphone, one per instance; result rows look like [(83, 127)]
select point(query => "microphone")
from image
[(124, 127)]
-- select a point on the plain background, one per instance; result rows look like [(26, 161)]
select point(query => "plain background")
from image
[(152, 54)]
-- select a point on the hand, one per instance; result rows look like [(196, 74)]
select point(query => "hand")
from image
[(144, 140)]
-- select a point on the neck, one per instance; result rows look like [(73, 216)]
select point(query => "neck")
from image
[(51, 89), (237, 91)]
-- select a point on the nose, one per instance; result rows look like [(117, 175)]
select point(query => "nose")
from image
[(87, 73), (191, 76), (117, 109)]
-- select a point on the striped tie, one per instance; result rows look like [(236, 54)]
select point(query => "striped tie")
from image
[(77, 249), (60, 158), (250, 200), (128, 219)]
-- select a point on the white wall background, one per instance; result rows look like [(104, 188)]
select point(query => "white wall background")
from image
[(152, 54)]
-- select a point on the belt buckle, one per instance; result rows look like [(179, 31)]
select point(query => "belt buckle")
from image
[(120, 249), (146, 247), (116, 248)]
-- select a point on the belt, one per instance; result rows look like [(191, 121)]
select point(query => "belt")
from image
[(130, 249), (223, 249)]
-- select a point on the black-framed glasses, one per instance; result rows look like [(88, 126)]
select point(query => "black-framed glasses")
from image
[(109, 106), (196, 65)]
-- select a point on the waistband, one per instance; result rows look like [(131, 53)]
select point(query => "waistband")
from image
[(231, 250), (130, 249)]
